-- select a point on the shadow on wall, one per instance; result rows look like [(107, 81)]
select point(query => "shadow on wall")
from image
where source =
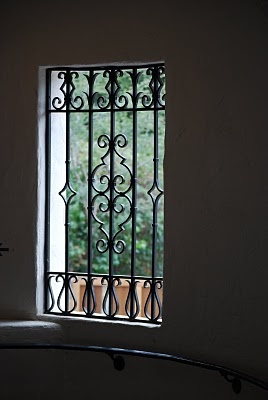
[(87, 371)]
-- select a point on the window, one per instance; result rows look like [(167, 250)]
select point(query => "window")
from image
[(104, 191)]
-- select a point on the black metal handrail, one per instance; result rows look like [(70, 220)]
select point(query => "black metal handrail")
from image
[(231, 375)]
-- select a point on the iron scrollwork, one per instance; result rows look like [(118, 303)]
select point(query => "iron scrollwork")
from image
[(112, 190)]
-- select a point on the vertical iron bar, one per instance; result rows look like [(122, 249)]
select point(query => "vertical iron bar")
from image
[(134, 191), (67, 162), (48, 178), (154, 242), (111, 217), (90, 163)]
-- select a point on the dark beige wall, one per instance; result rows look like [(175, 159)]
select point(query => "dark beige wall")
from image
[(216, 193)]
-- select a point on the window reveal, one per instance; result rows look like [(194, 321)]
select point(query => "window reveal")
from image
[(104, 181)]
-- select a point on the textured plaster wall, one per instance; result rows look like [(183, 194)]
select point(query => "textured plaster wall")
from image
[(216, 192)]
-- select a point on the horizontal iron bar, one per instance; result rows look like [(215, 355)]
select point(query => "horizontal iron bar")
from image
[(118, 317), (96, 110), (87, 68), (112, 351), (98, 275)]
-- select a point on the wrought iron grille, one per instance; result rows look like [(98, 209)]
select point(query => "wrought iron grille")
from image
[(104, 191)]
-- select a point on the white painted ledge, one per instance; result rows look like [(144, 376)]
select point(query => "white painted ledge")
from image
[(12, 331)]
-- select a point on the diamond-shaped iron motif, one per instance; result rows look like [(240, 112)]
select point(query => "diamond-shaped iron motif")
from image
[(155, 192), (67, 193)]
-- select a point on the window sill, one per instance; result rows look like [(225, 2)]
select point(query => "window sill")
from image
[(52, 318), (111, 333)]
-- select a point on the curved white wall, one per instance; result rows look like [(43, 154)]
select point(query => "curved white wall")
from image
[(216, 275)]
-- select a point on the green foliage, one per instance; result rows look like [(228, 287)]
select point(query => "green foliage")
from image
[(145, 172)]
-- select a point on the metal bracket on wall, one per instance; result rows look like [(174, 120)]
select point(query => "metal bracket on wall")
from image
[(3, 249)]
